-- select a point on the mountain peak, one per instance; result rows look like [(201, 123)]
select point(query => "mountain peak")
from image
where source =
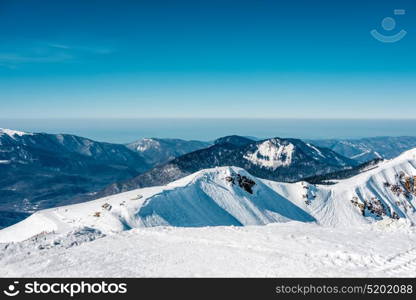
[(210, 175), (235, 140), (12, 133), (157, 151)]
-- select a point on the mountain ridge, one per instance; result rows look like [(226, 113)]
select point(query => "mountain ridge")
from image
[(286, 156), (41, 170), (218, 196), (366, 149), (157, 151)]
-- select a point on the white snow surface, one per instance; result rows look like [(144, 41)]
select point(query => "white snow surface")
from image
[(12, 133), (293, 249), (203, 225), (271, 155), (316, 150), (146, 144)]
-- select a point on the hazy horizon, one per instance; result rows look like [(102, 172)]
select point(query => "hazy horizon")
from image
[(205, 69), (129, 130)]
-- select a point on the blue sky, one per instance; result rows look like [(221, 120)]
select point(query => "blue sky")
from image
[(204, 59)]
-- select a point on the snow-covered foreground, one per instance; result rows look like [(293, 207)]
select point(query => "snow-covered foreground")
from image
[(386, 248), (226, 222), (231, 196)]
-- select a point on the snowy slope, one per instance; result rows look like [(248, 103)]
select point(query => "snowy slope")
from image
[(376, 190), (205, 198), (12, 133), (215, 197), (293, 249)]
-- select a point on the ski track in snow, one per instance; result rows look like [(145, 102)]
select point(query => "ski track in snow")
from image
[(401, 263)]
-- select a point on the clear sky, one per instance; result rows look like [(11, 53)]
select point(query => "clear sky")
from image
[(212, 58)]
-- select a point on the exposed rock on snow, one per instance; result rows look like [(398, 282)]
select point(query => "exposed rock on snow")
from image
[(243, 182)]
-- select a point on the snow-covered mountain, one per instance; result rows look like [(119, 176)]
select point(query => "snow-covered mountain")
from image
[(222, 196), (47, 170), (157, 151), (275, 159), (232, 196), (40, 170), (366, 149)]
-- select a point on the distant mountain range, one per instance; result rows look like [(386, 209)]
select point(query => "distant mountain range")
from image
[(366, 149), (40, 170)]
